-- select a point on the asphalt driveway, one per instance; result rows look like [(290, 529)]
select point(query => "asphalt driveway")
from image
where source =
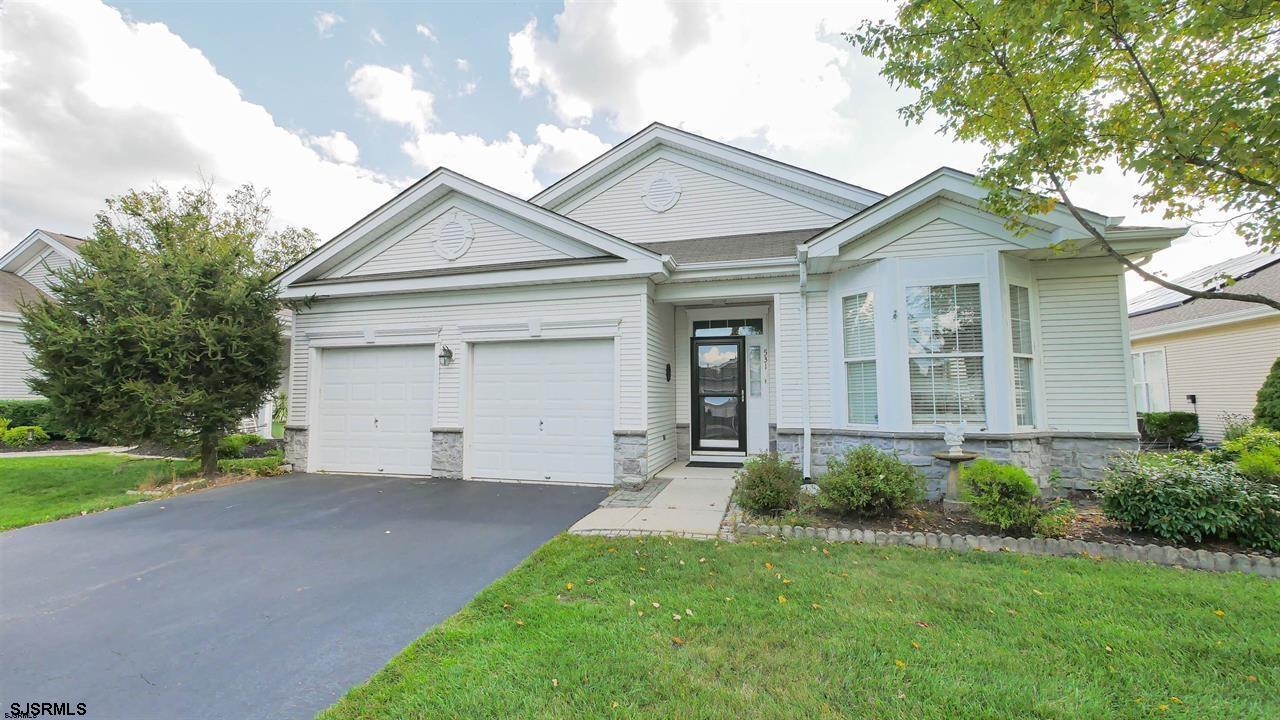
[(261, 600)]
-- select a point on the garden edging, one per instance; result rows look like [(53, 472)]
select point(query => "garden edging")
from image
[(1159, 554)]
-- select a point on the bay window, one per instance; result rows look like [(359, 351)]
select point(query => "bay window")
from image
[(1023, 355), (858, 313), (945, 354)]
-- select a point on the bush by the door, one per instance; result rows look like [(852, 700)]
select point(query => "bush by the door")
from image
[(1001, 495), (868, 481), (768, 484)]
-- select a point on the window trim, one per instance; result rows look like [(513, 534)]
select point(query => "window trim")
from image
[(1138, 364), (903, 289), (873, 358)]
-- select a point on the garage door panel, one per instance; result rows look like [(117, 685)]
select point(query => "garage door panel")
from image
[(543, 410)]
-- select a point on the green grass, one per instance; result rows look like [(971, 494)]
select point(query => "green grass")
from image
[(39, 489), (864, 632)]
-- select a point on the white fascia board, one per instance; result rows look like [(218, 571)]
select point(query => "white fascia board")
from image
[(657, 134), (947, 183), (357, 286), (21, 255), (435, 186), (702, 291), (718, 270), (1229, 318)]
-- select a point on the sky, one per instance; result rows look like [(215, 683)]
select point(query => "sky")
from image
[(335, 107)]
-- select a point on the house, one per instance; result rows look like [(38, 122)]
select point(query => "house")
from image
[(1206, 356), (678, 298), (26, 272)]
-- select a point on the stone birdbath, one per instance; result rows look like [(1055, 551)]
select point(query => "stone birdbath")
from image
[(953, 435)]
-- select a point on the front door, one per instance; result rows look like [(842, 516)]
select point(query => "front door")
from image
[(719, 398)]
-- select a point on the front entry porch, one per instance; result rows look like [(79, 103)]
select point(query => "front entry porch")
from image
[(679, 500)]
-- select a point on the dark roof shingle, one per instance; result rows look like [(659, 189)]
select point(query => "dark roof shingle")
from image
[(751, 246)]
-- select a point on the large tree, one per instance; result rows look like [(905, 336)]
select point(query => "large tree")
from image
[(1181, 94), (168, 331)]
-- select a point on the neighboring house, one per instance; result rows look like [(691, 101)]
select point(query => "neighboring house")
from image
[(26, 271), (680, 298), (1206, 356)]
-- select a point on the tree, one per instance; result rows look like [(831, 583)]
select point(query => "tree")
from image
[(1267, 412), (1183, 95), (168, 331)]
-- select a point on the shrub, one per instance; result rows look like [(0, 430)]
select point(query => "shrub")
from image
[(1183, 496), (232, 446), (4, 425), (1267, 412), (23, 412), (767, 484), (1056, 521), (1235, 425), (1261, 465), (1256, 438), (1000, 495), (266, 466), (25, 436), (867, 481), (1170, 427)]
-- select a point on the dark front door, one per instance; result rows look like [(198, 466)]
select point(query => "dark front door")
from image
[(719, 406)]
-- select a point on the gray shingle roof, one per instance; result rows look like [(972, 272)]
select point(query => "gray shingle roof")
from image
[(1264, 281), (14, 287), (70, 241), (1236, 267), (751, 246)]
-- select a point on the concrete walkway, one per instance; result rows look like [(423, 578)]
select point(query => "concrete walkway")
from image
[(51, 453), (691, 503)]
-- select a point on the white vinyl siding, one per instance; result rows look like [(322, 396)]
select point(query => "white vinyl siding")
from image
[(492, 245), (1083, 354), (41, 274), (787, 356), (945, 353), (1021, 334), (1150, 381), (661, 423), (859, 325), (939, 237), (449, 311), (14, 367), (709, 206), (1222, 366)]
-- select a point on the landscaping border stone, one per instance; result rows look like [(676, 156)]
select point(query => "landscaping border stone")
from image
[(1259, 565)]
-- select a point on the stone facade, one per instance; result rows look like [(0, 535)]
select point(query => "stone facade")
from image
[(682, 441), (1078, 459), (295, 447), (630, 459), (446, 452)]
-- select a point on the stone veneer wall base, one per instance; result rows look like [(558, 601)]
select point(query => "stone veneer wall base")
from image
[(446, 453), (1259, 565), (295, 446)]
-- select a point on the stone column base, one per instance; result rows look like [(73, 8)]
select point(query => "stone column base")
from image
[(630, 458), (295, 447), (446, 453)]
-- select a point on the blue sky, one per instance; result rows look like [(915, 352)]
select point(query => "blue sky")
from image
[(334, 107)]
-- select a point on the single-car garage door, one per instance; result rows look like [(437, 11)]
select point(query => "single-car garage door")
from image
[(543, 410), (374, 414)]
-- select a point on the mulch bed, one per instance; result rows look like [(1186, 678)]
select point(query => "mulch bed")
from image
[(1090, 526), (53, 445)]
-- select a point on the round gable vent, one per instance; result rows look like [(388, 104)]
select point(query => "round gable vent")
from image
[(662, 193), (454, 236)]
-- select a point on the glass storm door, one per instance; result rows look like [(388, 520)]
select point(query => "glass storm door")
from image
[(719, 398)]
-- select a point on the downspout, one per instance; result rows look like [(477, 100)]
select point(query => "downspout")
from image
[(802, 258)]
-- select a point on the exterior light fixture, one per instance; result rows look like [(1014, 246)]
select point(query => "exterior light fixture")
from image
[(446, 356)]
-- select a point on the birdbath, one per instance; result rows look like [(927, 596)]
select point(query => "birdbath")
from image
[(953, 435)]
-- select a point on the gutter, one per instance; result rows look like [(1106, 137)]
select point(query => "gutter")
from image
[(802, 258)]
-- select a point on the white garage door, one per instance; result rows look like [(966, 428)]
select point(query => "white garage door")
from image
[(374, 414), (543, 410)]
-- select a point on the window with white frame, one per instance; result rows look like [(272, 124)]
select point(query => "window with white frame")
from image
[(944, 354), (859, 320), (1150, 381), (1024, 411)]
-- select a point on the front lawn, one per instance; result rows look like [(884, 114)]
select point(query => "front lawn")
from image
[(588, 628), (38, 489)]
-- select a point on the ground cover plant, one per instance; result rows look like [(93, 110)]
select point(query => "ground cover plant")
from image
[(657, 628)]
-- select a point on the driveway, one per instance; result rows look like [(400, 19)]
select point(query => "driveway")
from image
[(261, 600)]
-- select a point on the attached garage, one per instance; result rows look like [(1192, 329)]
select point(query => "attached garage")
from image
[(374, 410), (543, 410)]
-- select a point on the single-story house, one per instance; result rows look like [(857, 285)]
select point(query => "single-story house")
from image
[(679, 298), (26, 272), (1206, 356)]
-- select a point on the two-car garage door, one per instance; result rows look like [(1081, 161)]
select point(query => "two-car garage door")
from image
[(541, 410)]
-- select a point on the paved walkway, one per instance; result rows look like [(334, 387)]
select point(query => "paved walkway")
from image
[(690, 502), (50, 453)]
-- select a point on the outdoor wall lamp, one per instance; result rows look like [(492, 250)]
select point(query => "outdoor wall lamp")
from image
[(446, 356)]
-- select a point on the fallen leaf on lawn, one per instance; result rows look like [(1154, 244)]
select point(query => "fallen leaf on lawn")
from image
[(815, 606), (922, 623), (681, 562), (591, 581), (631, 603), (1162, 707), (641, 568), (675, 616), (613, 549), (915, 645), (826, 552), (676, 640), (555, 682), (702, 560), (1253, 678), (568, 586), (768, 566), (778, 575), (728, 599), (1107, 648), (520, 623), (899, 663), (1219, 613), (688, 612), (506, 606), (786, 581), (782, 599), (615, 703), (1036, 591), (640, 613), (1012, 611), (1175, 699), (657, 605)]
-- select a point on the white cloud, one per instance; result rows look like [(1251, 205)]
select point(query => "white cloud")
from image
[(375, 37), (506, 164), (469, 88), (390, 95), (463, 64), (567, 149), (325, 22), (337, 147), (425, 31), (93, 105)]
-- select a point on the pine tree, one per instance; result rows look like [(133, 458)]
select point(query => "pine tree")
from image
[(1267, 412)]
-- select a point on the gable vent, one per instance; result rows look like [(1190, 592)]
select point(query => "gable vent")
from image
[(662, 193), (454, 237)]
